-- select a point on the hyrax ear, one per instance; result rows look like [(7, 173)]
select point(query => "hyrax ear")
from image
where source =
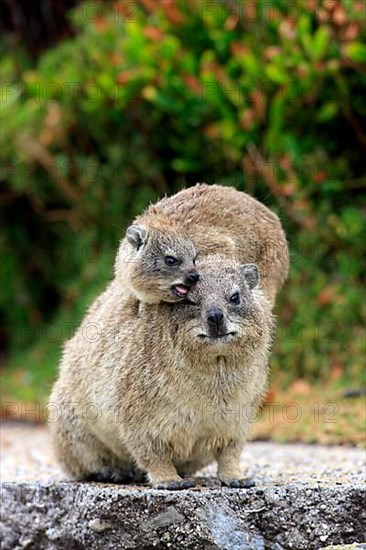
[(251, 274), (137, 235)]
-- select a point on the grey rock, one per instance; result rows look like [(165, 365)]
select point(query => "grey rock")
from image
[(98, 526), (221, 518), (164, 519)]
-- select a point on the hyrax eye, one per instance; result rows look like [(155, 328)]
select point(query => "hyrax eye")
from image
[(235, 298), (170, 261)]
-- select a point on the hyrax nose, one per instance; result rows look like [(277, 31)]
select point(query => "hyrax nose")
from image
[(215, 317), (192, 277)]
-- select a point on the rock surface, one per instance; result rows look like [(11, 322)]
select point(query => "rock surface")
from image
[(306, 497)]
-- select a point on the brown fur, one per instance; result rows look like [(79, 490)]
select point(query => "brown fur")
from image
[(219, 219), (143, 386)]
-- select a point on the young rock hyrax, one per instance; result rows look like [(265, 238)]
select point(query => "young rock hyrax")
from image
[(156, 261), (164, 388), (217, 219)]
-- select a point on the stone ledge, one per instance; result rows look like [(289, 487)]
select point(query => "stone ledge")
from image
[(52, 515)]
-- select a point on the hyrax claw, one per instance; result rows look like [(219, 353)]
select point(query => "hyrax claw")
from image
[(175, 485), (238, 483)]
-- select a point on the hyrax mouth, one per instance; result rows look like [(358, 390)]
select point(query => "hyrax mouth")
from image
[(226, 336), (180, 291)]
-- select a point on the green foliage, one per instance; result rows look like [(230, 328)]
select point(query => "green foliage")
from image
[(152, 96)]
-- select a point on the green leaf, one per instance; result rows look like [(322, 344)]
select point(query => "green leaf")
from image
[(277, 74), (327, 111), (184, 165), (356, 51), (320, 43)]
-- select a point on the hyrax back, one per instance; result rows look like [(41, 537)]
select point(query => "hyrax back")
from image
[(166, 388), (223, 219)]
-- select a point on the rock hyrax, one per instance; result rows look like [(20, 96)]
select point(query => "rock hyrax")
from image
[(165, 388), (156, 260), (224, 220)]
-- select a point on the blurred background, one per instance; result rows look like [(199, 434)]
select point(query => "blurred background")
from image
[(107, 106)]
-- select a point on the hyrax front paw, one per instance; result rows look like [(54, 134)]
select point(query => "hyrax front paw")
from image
[(237, 482), (175, 484), (109, 475)]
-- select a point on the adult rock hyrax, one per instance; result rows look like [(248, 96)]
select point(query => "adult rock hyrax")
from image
[(164, 388), (217, 219)]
